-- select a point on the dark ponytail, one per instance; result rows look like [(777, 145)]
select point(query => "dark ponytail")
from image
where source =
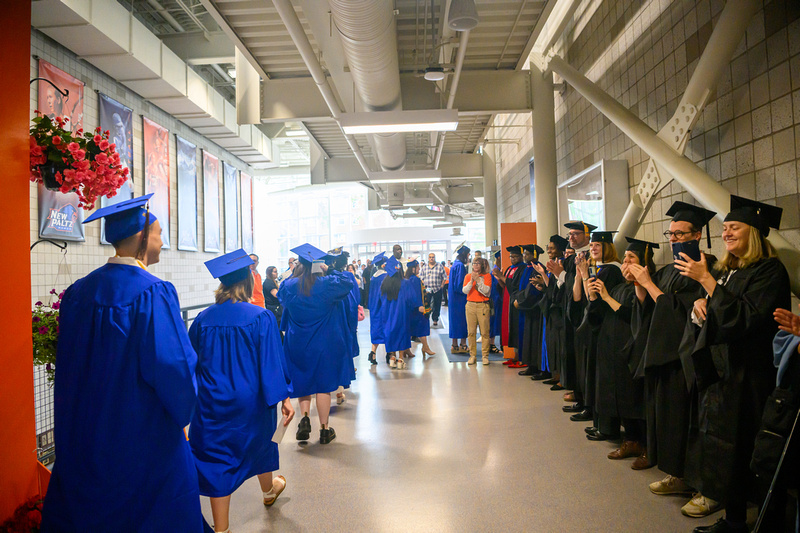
[(391, 285)]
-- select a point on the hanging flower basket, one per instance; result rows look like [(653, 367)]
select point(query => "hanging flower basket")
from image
[(45, 320), (80, 162)]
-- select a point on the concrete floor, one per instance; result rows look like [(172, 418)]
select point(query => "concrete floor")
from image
[(446, 447)]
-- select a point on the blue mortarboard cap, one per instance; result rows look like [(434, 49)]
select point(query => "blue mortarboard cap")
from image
[(308, 253), (392, 265), (230, 268), (378, 259), (124, 219), (412, 263), (462, 248), (497, 254)]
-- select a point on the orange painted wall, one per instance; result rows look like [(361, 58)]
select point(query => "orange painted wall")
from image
[(511, 234), (18, 466)]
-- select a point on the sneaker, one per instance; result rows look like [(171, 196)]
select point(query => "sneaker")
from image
[(304, 429), (326, 435), (670, 485), (471, 360), (700, 506), (485, 360)]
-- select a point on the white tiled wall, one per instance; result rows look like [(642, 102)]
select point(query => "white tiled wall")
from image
[(643, 53), (50, 268)]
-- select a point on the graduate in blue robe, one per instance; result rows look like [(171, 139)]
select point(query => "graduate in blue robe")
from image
[(375, 323), (337, 261), (497, 305), (420, 323), (241, 378), (316, 341), (124, 391), (398, 299), (457, 306)]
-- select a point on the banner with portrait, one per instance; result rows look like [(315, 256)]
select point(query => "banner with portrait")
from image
[(187, 194), (211, 202), (230, 173), (59, 214), (247, 212), (117, 120), (156, 173)]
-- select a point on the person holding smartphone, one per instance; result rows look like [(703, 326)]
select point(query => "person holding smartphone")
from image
[(664, 302), (603, 264)]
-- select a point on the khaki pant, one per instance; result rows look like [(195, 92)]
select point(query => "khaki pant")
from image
[(478, 315)]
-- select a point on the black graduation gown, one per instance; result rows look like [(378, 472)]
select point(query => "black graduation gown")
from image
[(733, 369), (586, 335), (618, 393), (528, 299), (512, 286), (553, 315), (566, 356), (667, 400)]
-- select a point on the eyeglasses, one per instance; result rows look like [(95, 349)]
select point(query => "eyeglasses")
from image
[(575, 233), (677, 234)]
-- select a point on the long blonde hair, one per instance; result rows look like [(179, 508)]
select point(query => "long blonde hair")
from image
[(241, 291), (758, 248)]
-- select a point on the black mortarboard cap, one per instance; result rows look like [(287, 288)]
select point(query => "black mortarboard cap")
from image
[(603, 236), (757, 214), (535, 249), (696, 216), (514, 249), (580, 225), (560, 242), (638, 246), (124, 218), (230, 268)]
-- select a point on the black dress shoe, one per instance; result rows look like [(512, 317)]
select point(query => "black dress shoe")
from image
[(527, 372), (551, 381), (326, 435), (590, 429), (721, 526), (582, 416), (597, 436), (557, 387), (574, 408), (541, 376), (304, 429)]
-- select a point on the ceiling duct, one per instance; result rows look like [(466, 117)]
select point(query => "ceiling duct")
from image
[(369, 39)]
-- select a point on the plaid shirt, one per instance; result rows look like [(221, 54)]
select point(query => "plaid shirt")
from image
[(433, 278)]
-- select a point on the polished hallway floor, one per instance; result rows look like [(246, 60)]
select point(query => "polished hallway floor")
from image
[(446, 447)]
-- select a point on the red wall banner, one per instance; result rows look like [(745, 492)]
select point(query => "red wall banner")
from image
[(156, 173)]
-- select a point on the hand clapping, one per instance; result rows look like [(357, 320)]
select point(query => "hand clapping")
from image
[(787, 321)]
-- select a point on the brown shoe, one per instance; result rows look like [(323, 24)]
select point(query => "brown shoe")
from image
[(569, 397), (641, 462), (628, 448)]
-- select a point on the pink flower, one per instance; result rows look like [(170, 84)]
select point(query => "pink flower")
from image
[(97, 138), (73, 146), (36, 319), (80, 155), (55, 305), (103, 145), (61, 295), (43, 330), (56, 140), (52, 291), (101, 159), (38, 304)]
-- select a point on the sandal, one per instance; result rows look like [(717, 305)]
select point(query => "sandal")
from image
[(493, 349), (393, 362), (371, 358), (272, 495)]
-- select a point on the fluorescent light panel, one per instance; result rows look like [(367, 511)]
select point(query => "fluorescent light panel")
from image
[(399, 121)]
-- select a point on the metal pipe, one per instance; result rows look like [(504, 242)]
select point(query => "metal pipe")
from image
[(462, 52), (161, 10), (289, 17), (698, 183)]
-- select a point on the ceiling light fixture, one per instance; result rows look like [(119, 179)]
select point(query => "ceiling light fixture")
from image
[(434, 73), (462, 15), (399, 121), (232, 73), (295, 133)]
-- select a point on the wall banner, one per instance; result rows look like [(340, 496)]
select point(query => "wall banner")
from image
[(231, 208), (156, 173), (187, 194), (117, 119), (211, 202), (59, 215)]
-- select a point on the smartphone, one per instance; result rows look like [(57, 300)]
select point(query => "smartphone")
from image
[(592, 271), (690, 248)]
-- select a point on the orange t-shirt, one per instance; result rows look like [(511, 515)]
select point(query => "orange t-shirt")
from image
[(258, 291), (474, 294)]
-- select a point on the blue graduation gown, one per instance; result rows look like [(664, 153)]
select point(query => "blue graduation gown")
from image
[(316, 342), (375, 317), (241, 376), (396, 316), (420, 325), (457, 301), (497, 301), (124, 391)]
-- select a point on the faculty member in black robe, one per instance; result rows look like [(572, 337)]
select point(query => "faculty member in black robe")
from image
[(527, 303), (731, 361)]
